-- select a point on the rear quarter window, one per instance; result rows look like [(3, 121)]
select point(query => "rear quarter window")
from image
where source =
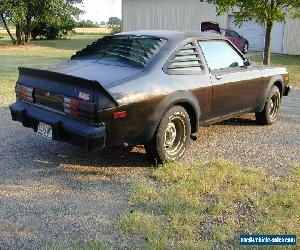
[(185, 60)]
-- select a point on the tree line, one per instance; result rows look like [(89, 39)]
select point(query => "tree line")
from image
[(27, 15), (90, 24), (48, 19)]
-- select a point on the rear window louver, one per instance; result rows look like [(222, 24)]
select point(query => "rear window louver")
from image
[(135, 49), (186, 58)]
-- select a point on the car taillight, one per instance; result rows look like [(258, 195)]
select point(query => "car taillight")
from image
[(24, 93), (80, 109)]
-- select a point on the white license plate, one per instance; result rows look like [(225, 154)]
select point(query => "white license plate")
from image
[(45, 130)]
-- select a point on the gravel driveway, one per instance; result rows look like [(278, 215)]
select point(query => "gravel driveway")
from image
[(52, 192)]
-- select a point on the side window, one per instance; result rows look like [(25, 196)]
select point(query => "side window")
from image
[(185, 59), (220, 55)]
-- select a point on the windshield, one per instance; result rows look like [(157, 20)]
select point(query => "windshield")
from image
[(122, 50)]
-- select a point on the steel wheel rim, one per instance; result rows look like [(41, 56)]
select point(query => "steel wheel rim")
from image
[(274, 106), (175, 135), (245, 48)]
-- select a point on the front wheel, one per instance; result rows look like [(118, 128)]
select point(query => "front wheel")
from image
[(172, 136), (270, 112)]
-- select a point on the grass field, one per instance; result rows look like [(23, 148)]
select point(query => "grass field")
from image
[(39, 54), (291, 62), (43, 53), (4, 33), (100, 30), (207, 206)]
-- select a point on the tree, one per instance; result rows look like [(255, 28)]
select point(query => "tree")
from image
[(4, 22), (114, 21), (3, 18), (25, 14), (266, 12)]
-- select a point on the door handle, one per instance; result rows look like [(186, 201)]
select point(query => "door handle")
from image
[(218, 77)]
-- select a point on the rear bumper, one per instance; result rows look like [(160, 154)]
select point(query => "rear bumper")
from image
[(287, 90), (65, 129)]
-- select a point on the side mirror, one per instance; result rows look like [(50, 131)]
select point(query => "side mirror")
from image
[(247, 62)]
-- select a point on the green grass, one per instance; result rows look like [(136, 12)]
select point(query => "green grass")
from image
[(204, 206), (86, 246), (291, 62), (39, 54)]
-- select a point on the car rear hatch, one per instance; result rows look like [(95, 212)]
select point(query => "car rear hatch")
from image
[(79, 87)]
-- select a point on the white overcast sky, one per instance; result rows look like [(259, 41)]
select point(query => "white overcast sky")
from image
[(101, 10)]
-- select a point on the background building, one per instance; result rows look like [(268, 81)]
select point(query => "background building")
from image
[(188, 15)]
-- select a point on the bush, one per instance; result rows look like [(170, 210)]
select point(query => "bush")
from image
[(51, 31), (115, 29)]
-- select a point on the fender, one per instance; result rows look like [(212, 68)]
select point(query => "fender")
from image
[(182, 97), (275, 79)]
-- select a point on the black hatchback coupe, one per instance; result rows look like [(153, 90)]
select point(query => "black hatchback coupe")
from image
[(154, 88)]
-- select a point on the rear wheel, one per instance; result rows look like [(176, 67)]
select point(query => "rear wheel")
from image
[(172, 136), (270, 112)]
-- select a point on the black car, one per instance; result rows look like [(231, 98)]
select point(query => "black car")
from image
[(150, 87)]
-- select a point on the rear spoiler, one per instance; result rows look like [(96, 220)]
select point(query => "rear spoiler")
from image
[(34, 76)]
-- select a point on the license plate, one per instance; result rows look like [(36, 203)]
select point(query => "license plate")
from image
[(45, 130)]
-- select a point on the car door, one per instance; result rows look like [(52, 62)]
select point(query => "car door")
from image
[(185, 70), (235, 87)]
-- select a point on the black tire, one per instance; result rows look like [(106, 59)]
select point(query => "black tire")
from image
[(272, 106), (172, 136), (245, 48)]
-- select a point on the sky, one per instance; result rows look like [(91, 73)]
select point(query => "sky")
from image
[(101, 10)]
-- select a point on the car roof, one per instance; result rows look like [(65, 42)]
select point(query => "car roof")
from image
[(175, 35)]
